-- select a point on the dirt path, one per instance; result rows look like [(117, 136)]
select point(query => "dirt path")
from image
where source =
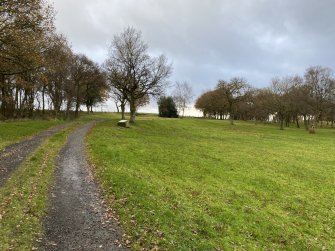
[(12, 156), (76, 218)]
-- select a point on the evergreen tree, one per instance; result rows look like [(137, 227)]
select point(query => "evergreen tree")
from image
[(167, 107)]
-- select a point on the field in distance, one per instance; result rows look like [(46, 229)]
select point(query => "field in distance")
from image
[(182, 184)]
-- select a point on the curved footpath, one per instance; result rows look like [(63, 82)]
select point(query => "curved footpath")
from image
[(12, 156), (76, 218)]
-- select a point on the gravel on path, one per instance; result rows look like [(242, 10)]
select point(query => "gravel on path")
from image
[(76, 217), (12, 156)]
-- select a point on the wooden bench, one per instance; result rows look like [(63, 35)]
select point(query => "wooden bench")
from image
[(123, 123)]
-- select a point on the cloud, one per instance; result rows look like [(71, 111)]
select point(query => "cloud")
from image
[(209, 40)]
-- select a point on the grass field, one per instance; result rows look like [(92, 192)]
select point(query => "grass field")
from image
[(193, 184), (11, 132)]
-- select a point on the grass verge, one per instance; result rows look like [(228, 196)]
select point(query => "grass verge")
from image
[(11, 132), (195, 184), (23, 198)]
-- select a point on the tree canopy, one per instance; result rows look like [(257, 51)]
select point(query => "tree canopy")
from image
[(38, 69)]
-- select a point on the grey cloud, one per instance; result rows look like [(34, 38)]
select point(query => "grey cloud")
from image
[(209, 40)]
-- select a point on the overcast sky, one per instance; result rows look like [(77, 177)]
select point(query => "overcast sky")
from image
[(207, 40)]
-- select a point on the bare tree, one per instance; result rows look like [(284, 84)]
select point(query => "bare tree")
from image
[(57, 73), (133, 71), (234, 91), (120, 100), (280, 88), (320, 80), (182, 96), (300, 100)]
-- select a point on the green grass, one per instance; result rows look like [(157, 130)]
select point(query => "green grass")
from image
[(192, 184), (23, 198), (11, 132)]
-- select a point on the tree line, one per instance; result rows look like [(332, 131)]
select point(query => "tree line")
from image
[(39, 72), (292, 99)]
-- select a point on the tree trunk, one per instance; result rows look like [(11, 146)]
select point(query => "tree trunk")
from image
[(76, 113), (68, 106), (16, 102), (117, 107), (231, 114), (122, 110), (305, 122), (281, 121), (31, 101), (281, 124), (287, 122), (3, 95), (132, 111), (43, 99), (297, 120)]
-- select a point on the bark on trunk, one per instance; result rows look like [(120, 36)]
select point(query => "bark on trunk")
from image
[(132, 111), (122, 111)]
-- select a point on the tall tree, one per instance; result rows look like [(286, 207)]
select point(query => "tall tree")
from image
[(182, 96), (82, 69), (320, 80), (119, 100), (140, 74), (23, 28), (57, 73), (280, 88), (96, 88)]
